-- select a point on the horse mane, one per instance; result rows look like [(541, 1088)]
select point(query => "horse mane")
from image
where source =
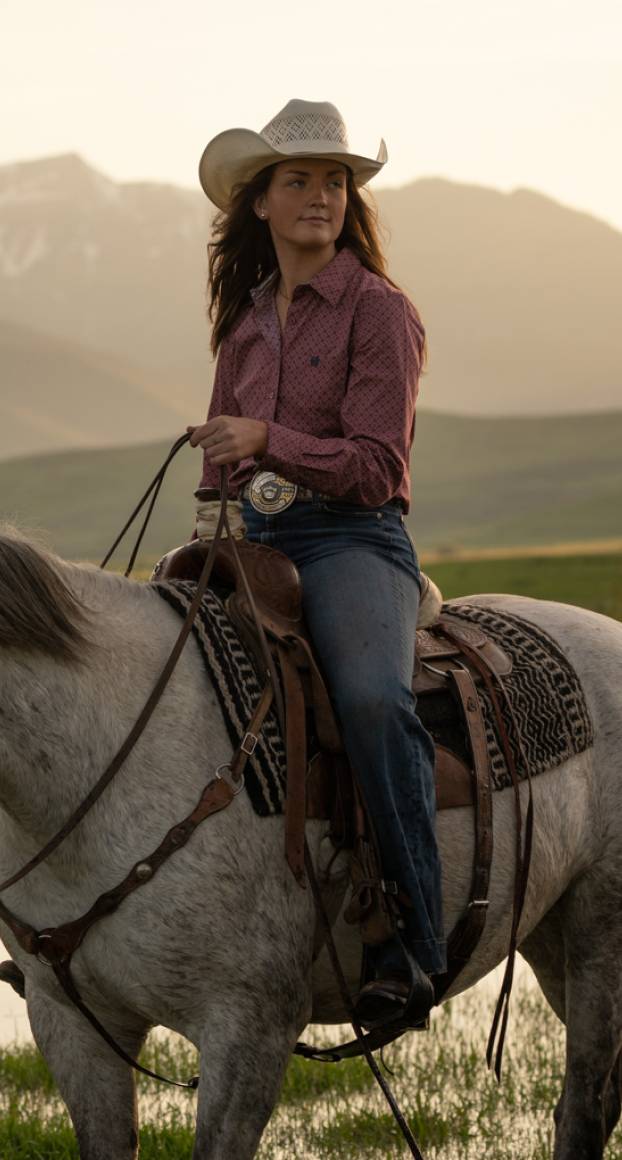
[(38, 610)]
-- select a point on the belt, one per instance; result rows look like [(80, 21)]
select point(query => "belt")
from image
[(302, 493), (269, 493), (207, 494)]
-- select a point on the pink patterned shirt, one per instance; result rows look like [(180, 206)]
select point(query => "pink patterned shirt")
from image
[(337, 388)]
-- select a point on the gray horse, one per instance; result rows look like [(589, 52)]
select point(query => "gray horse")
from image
[(219, 945)]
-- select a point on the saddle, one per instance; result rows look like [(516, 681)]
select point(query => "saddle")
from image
[(452, 659)]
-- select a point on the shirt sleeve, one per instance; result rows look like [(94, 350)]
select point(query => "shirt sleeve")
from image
[(223, 402), (367, 464)]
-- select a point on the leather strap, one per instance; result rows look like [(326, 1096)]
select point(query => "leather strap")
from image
[(63, 973), (523, 855), (54, 945), (60, 943), (139, 725), (296, 750), (467, 932), (365, 1043)]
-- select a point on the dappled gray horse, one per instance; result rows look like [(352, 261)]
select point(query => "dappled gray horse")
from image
[(219, 945)]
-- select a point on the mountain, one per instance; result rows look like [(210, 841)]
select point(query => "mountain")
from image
[(117, 267), (518, 293), (520, 297), (56, 394), (477, 483)]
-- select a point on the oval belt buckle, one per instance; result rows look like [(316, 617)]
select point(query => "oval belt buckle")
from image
[(269, 492)]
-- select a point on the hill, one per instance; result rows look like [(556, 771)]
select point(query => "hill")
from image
[(518, 293), (119, 267), (57, 394), (476, 483)]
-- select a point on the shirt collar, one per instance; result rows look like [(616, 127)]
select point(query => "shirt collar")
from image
[(333, 279), (264, 286), (330, 283)]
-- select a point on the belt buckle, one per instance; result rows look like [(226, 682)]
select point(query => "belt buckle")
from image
[(269, 492)]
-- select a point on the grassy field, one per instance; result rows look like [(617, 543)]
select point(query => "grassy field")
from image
[(455, 1107), (591, 581), (334, 1112), (477, 483)]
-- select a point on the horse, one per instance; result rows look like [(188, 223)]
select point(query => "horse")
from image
[(219, 945)]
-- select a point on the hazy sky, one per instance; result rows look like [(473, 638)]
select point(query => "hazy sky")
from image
[(498, 92)]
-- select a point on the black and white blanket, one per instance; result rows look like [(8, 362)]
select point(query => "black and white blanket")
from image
[(549, 711)]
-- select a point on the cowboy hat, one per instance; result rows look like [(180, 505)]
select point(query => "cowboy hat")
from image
[(300, 129)]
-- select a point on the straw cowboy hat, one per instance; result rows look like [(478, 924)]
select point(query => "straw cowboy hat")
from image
[(300, 129)]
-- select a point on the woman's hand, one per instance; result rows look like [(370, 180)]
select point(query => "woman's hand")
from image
[(229, 438)]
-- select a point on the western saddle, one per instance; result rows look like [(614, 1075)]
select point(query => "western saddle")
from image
[(452, 658)]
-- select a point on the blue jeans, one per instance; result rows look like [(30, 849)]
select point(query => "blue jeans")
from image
[(360, 578)]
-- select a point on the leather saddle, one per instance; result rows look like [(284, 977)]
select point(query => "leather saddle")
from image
[(452, 660), (277, 589)]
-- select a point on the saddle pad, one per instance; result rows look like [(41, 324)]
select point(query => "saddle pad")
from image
[(231, 673), (549, 721)]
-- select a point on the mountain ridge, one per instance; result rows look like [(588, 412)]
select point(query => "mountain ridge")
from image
[(519, 293)]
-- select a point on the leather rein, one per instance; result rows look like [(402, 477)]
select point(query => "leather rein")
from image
[(55, 946)]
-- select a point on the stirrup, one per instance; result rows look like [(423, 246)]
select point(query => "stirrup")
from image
[(406, 998)]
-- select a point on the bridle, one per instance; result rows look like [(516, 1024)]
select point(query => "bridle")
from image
[(55, 946)]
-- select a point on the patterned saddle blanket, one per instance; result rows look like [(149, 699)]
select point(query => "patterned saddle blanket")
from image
[(547, 724)]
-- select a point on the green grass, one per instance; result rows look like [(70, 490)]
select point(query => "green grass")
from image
[(590, 581), (327, 1112), (476, 483)]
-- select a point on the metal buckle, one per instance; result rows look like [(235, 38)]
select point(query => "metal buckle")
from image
[(249, 744), (388, 886), (269, 492), (236, 786)]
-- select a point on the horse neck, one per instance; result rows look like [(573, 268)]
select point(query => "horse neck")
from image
[(63, 722)]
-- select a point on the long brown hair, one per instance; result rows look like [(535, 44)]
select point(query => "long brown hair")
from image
[(241, 254)]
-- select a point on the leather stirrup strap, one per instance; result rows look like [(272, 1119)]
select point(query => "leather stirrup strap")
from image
[(467, 933), (296, 762), (523, 854)]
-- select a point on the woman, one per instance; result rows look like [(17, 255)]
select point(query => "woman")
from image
[(319, 355)]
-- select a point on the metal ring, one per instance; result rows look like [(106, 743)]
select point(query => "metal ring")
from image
[(40, 957), (236, 786)]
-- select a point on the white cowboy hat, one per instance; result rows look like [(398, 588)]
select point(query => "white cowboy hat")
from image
[(300, 129)]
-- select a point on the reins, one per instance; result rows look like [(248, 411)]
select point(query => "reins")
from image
[(56, 946), (152, 700)]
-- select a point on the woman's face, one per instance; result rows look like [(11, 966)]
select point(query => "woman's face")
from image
[(305, 203)]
